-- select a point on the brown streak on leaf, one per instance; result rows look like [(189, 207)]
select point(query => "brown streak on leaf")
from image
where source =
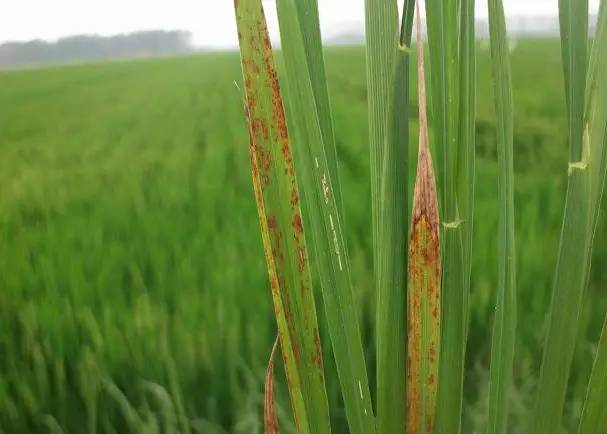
[(278, 203), (423, 297)]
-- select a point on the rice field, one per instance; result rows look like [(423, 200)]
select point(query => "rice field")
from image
[(133, 290)]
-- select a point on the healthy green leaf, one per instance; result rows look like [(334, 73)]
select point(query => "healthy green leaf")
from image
[(307, 11), (281, 224), (467, 133), (392, 244), (504, 325), (387, 88), (573, 16), (594, 415), (584, 193), (381, 30), (323, 211), (449, 31)]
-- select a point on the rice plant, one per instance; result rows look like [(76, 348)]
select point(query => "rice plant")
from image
[(422, 265)]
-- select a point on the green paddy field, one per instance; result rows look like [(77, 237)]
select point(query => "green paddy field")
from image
[(133, 291)]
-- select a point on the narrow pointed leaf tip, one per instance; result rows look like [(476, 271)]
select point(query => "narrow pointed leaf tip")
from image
[(424, 277), (270, 421)]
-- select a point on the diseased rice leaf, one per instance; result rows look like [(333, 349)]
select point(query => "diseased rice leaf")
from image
[(424, 279), (277, 196)]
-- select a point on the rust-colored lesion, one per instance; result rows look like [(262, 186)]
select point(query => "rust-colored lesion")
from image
[(424, 280), (278, 203)]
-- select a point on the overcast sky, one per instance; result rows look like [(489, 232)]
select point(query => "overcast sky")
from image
[(210, 21)]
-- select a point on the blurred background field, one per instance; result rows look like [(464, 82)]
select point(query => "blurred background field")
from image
[(133, 291)]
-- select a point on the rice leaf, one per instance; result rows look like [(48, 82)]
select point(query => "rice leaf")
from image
[(467, 133), (386, 90), (594, 414), (504, 322), (381, 34), (307, 13), (277, 196), (392, 257), (270, 421), (573, 18), (449, 31), (326, 226), (584, 193), (423, 296)]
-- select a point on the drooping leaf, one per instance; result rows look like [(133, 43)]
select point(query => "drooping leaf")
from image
[(504, 322), (381, 34), (424, 275), (282, 229)]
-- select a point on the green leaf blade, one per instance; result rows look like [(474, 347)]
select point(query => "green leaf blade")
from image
[(387, 87), (392, 245), (584, 193), (573, 18), (326, 226), (504, 326), (390, 319), (594, 414), (381, 34), (449, 26)]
